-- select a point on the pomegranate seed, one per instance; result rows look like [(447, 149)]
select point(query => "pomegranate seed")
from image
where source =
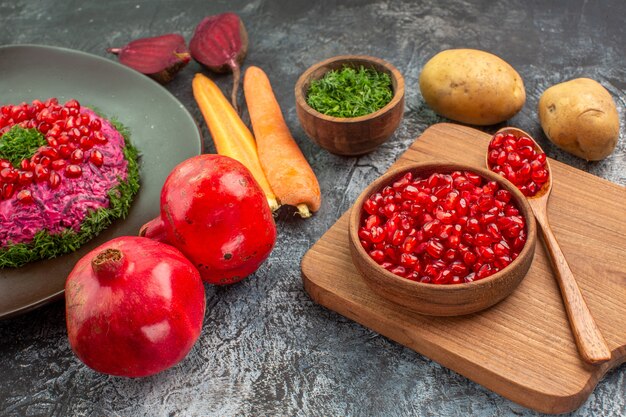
[(58, 164), (24, 197), (473, 225), (54, 180), (63, 139), (409, 244), (377, 255), (469, 258), (77, 156), (95, 124), (503, 195), (413, 276), (371, 207), (434, 248), (372, 220), (540, 176), (458, 268), (444, 232), (398, 270), (85, 142), (9, 175), (410, 192), (389, 209), (7, 191), (409, 260), (25, 177), (450, 255), (99, 137), (398, 237), (75, 171), (453, 241), (365, 235), (443, 277), (41, 173), (54, 132), (387, 265), (484, 271), (72, 104), (52, 141), (470, 277), (482, 239)]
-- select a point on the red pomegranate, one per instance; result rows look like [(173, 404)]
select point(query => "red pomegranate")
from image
[(215, 213), (134, 307)]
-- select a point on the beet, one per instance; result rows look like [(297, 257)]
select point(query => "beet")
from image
[(134, 307), (159, 57), (220, 43)]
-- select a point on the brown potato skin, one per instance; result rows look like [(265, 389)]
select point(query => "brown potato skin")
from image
[(472, 86), (580, 117)]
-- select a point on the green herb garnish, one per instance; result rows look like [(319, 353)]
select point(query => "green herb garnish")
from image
[(19, 143), (45, 245), (350, 92)]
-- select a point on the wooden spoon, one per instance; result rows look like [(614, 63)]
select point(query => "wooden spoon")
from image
[(591, 345)]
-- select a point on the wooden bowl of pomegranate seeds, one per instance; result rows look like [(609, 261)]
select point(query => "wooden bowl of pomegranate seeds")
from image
[(442, 239)]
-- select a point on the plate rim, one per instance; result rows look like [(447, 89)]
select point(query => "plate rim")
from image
[(198, 149)]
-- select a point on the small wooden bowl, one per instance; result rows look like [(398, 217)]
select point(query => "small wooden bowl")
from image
[(350, 135), (436, 299)]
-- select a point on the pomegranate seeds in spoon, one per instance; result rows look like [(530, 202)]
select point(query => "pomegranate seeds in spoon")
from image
[(518, 161), (220, 43), (159, 57)]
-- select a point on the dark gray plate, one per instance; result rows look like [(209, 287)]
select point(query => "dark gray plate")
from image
[(161, 128)]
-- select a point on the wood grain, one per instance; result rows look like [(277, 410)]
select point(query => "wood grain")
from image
[(354, 135), (522, 348), (589, 339)]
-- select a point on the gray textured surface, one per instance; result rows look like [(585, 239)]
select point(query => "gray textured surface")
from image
[(266, 348)]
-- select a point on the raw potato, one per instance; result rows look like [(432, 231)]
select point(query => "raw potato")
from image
[(580, 117), (472, 86)]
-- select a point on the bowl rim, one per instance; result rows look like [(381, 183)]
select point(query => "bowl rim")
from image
[(394, 72), (385, 179)]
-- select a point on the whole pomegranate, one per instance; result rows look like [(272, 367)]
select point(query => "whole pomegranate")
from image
[(134, 307), (215, 213)]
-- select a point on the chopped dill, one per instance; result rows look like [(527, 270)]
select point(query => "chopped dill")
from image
[(350, 92), (19, 143), (45, 245)]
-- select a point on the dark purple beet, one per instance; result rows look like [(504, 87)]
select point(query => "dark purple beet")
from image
[(160, 57), (220, 43)]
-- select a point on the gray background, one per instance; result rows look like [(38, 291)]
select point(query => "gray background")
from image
[(266, 348)]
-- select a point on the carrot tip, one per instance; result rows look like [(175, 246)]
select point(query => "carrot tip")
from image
[(303, 211)]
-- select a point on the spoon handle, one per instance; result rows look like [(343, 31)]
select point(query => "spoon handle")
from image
[(591, 344)]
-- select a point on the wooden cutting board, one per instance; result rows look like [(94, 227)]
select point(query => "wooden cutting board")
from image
[(521, 348)]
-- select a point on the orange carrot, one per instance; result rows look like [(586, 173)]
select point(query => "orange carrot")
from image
[(230, 135), (286, 168)]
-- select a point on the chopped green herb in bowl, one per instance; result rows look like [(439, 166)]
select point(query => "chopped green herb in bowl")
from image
[(350, 92)]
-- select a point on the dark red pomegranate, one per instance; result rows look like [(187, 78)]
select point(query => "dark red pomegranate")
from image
[(134, 307), (517, 160), (443, 229), (215, 213)]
